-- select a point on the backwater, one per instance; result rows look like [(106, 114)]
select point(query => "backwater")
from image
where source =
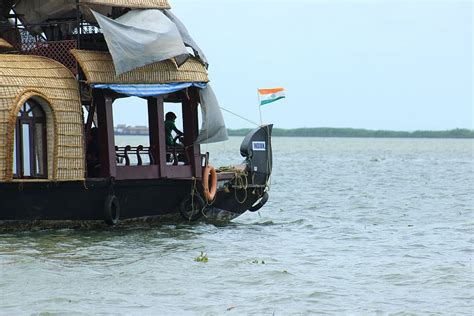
[(352, 226)]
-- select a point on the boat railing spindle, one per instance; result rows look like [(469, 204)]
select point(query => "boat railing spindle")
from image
[(123, 153)]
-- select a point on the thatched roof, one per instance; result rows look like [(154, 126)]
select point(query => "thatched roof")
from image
[(4, 45), (143, 4), (99, 68), (23, 77), (40, 11)]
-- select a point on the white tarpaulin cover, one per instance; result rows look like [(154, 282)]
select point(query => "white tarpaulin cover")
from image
[(187, 39), (139, 38), (213, 128)]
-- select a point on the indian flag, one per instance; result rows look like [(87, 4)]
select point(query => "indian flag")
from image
[(270, 95)]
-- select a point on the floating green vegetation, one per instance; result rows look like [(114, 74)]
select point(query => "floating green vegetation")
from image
[(202, 257), (256, 261)]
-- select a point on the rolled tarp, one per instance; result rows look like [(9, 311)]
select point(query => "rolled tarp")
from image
[(213, 127), (147, 90), (139, 38)]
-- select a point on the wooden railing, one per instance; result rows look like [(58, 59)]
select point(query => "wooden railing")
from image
[(134, 156), (53, 39), (138, 163)]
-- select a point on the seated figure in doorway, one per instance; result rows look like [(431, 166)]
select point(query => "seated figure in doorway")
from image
[(170, 127), (172, 143)]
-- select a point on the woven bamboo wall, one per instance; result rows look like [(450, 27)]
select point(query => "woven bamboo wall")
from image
[(99, 68), (53, 85), (142, 4)]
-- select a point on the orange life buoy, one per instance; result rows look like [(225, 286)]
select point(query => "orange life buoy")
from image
[(209, 193)]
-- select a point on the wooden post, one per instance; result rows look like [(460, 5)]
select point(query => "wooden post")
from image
[(191, 129), (157, 139), (108, 164)]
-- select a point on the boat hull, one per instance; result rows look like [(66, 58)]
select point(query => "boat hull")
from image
[(47, 202), (84, 200)]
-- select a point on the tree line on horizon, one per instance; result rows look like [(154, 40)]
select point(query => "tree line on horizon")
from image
[(355, 132), (333, 132)]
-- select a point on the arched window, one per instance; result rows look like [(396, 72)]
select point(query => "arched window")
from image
[(30, 148)]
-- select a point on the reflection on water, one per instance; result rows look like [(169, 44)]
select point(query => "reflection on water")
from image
[(358, 226)]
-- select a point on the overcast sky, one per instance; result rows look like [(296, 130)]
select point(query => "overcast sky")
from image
[(399, 65)]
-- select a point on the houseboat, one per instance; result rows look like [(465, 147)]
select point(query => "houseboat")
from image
[(63, 64)]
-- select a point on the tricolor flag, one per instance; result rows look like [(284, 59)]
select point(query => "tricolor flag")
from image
[(270, 95)]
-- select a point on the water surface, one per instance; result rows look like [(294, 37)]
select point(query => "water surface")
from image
[(353, 226)]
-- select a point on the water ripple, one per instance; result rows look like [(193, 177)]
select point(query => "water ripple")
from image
[(378, 227)]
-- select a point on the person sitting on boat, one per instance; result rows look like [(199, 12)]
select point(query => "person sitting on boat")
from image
[(172, 143), (170, 126)]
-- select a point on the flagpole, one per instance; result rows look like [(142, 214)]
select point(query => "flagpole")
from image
[(259, 108)]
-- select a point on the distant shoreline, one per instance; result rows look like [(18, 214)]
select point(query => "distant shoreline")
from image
[(354, 132), (345, 132)]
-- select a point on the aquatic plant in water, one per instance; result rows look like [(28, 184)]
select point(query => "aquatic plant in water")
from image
[(202, 257)]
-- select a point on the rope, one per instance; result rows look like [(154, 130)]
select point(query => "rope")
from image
[(232, 169), (239, 116), (193, 190), (239, 181)]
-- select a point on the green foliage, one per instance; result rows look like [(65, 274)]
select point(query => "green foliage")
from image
[(202, 257), (353, 132)]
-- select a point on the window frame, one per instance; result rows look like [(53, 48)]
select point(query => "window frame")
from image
[(23, 118)]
